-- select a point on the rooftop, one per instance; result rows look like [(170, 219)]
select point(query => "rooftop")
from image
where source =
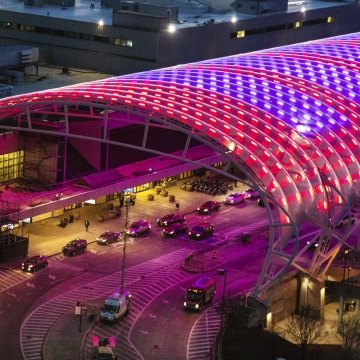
[(92, 12)]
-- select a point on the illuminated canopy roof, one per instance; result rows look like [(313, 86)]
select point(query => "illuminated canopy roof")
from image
[(288, 117)]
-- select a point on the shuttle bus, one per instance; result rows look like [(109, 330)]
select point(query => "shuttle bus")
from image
[(200, 293)]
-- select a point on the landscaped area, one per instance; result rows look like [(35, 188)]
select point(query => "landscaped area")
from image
[(240, 343)]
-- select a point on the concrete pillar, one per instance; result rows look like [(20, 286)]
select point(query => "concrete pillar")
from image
[(357, 305), (312, 292)]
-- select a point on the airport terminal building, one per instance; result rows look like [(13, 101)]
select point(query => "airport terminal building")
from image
[(131, 36)]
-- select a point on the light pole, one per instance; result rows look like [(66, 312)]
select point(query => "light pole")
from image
[(222, 272), (346, 250), (348, 274), (127, 205)]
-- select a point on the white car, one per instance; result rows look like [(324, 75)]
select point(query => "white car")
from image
[(251, 194), (347, 220), (235, 198)]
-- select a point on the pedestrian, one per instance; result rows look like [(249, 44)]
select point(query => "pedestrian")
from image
[(87, 224)]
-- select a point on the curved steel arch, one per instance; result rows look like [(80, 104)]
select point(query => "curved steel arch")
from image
[(288, 118)]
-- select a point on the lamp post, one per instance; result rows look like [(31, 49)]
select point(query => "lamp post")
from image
[(348, 274), (222, 272), (346, 250), (127, 205)]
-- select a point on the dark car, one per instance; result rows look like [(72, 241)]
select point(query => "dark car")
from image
[(74, 247), (171, 219), (201, 231), (35, 263), (251, 194), (138, 227), (235, 198), (108, 237), (208, 207), (261, 203), (176, 229)]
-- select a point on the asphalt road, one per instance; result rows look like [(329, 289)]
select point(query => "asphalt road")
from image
[(168, 324)]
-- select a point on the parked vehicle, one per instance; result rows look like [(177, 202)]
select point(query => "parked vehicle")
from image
[(170, 219), (200, 293), (251, 194), (176, 229), (103, 348), (261, 203), (116, 306), (34, 263), (201, 231), (108, 237), (187, 186), (74, 247), (347, 220), (208, 207), (235, 198), (215, 185), (139, 227)]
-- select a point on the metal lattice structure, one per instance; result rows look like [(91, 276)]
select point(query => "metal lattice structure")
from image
[(288, 118)]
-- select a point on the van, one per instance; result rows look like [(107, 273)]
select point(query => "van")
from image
[(116, 306)]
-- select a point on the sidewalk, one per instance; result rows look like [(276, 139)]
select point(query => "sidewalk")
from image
[(66, 338)]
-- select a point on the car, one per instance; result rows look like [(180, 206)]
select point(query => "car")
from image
[(108, 237), (346, 220), (234, 198), (176, 229), (138, 227), (170, 219), (74, 247), (187, 186), (201, 231), (251, 194), (261, 203), (34, 263), (208, 207)]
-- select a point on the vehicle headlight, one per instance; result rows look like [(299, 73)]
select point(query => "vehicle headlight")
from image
[(196, 306), (197, 234), (184, 303), (31, 266), (205, 210)]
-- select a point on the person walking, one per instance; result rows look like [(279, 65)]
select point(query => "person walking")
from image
[(87, 224)]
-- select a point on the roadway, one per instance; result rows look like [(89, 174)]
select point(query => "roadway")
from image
[(157, 326)]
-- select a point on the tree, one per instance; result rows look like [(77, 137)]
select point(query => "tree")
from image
[(305, 327), (349, 332)]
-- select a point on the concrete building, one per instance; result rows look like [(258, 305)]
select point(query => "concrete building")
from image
[(133, 36)]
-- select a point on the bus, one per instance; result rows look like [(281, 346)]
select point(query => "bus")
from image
[(200, 293)]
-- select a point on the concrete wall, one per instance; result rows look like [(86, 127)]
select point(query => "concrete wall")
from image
[(153, 49)]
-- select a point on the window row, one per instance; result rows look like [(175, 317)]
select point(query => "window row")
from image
[(242, 33), (68, 34)]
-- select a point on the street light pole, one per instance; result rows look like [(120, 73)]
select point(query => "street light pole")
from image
[(223, 271), (346, 250), (127, 204)]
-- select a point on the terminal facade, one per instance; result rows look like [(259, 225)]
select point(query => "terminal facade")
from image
[(286, 118)]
